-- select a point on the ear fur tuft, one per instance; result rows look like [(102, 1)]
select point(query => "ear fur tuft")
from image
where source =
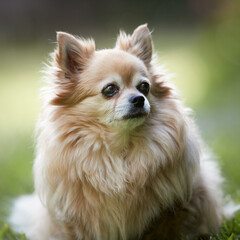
[(139, 43), (72, 53)]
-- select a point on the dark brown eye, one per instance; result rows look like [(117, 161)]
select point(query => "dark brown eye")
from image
[(143, 88), (110, 90)]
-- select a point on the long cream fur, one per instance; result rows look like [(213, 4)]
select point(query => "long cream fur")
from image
[(100, 177)]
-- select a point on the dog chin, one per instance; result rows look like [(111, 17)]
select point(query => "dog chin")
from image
[(130, 121)]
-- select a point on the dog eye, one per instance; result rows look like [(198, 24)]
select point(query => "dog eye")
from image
[(143, 88), (110, 90)]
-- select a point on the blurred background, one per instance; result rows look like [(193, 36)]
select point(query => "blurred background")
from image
[(197, 40)]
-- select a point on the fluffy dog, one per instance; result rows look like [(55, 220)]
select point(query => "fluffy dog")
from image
[(118, 156)]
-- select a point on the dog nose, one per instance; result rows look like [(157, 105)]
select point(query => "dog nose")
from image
[(137, 101)]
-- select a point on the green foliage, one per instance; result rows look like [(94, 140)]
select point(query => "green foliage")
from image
[(6, 233), (230, 230)]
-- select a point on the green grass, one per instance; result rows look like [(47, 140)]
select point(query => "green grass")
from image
[(201, 75), (230, 230), (6, 233)]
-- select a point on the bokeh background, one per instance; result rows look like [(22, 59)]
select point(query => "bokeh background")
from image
[(197, 40)]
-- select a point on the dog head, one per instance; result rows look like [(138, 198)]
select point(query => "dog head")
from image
[(112, 86)]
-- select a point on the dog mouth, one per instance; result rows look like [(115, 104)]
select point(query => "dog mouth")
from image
[(135, 115)]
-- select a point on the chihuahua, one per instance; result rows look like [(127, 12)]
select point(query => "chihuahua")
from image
[(118, 156)]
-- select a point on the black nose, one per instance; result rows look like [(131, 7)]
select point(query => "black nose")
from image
[(137, 101)]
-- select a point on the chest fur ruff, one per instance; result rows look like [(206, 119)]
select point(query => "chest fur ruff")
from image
[(106, 195)]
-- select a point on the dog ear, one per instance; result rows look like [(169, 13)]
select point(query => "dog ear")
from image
[(139, 43), (71, 57), (73, 54)]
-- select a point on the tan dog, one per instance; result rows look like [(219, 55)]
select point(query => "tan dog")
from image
[(118, 155)]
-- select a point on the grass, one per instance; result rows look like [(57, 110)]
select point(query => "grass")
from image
[(200, 74), (6, 233), (230, 230)]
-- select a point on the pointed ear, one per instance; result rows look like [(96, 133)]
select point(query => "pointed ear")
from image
[(72, 53), (139, 43)]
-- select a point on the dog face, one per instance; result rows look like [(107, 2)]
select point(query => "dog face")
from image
[(129, 100), (113, 85), (122, 88)]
